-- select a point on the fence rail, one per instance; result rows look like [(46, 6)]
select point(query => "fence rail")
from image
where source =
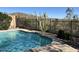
[(71, 26)]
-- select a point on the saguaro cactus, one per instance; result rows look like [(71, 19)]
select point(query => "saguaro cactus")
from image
[(43, 23)]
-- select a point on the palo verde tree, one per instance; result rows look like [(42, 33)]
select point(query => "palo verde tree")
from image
[(4, 21), (72, 21), (75, 17), (69, 16), (75, 23), (69, 12)]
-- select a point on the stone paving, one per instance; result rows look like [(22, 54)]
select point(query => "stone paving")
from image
[(55, 47)]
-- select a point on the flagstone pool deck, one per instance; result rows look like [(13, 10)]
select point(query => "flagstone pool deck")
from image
[(56, 46)]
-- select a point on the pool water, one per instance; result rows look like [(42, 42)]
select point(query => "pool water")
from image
[(19, 41)]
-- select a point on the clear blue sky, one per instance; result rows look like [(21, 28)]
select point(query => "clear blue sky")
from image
[(55, 12)]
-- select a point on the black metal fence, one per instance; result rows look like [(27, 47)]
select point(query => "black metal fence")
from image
[(71, 26)]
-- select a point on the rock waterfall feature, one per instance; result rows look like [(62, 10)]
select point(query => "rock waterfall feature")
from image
[(13, 22)]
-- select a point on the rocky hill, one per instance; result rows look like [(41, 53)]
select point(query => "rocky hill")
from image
[(23, 15)]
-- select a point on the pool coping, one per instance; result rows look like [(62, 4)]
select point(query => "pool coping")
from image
[(56, 44)]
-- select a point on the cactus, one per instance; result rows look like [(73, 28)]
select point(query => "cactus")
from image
[(43, 23)]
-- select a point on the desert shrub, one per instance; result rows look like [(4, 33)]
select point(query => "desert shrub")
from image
[(60, 34), (63, 35), (4, 21), (67, 36)]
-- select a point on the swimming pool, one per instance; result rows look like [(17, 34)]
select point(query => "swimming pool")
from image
[(19, 41)]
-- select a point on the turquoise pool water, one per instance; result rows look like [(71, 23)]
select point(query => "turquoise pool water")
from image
[(19, 41)]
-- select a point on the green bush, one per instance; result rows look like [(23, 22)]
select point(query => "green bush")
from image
[(63, 35), (4, 21), (67, 36), (60, 34)]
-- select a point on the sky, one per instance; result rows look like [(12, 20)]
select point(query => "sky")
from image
[(54, 12)]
